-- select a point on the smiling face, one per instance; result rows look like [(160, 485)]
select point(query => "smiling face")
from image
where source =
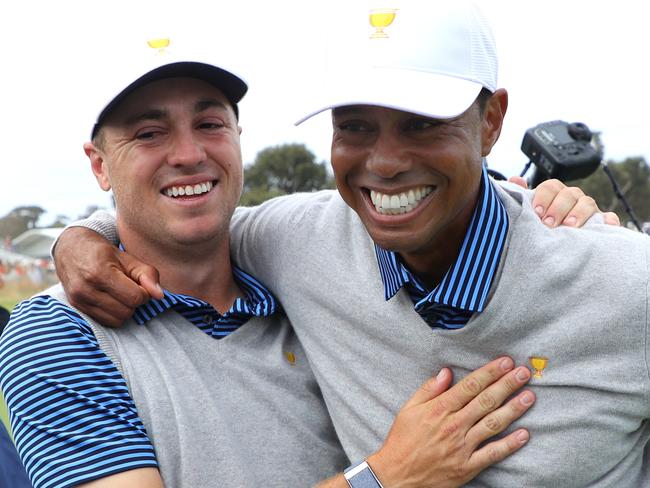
[(171, 154), (413, 180)]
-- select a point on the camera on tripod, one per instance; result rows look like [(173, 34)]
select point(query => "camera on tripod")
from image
[(566, 151)]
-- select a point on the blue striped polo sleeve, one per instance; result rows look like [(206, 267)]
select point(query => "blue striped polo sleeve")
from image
[(71, 413)]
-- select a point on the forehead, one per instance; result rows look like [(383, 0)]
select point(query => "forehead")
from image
[(375, 111), (168, 95), (379, 113)]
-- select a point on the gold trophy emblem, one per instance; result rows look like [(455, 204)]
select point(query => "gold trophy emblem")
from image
[(291, 357), (159, 44), (380, 19), (538, 363)]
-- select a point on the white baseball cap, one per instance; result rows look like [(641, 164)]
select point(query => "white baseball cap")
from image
[(428, 57), (155, 60)]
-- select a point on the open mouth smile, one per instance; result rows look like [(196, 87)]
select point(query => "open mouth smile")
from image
[(399, 203), (188, 190)]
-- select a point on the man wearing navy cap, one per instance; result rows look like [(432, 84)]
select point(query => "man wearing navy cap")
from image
[(207, 385)]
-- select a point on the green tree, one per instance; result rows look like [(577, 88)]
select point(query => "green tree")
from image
[(19, 220), (60, 221), (633, 178), (284, 169)]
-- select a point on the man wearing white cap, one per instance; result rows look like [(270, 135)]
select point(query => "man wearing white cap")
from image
[(443, 267), (425, 263)]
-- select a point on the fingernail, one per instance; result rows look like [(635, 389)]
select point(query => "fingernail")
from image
[(526, 399), (506, 364), (159, 288), (539, 210), (571, 220), (522, 436), (441, 375), (549, 221), (522, 374)]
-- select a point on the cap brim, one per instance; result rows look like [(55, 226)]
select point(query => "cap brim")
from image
[(232, 86), (431, 95)]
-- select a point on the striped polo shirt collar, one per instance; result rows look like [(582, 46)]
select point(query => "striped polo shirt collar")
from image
[(466, 284), (258, 302)]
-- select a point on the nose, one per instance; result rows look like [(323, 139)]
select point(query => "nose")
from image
[(387, 158), (186, 150)]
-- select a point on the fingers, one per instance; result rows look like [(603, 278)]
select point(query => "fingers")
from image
[(553, 202), (545, 194), (430, 388), (500, 419), (111, 301), (106, 310), (491, 398), (472, 385), (497, 451), (143, 274), (611, 218), (585, 207), (518, 180)]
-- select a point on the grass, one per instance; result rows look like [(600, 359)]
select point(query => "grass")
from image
[(17, 290)]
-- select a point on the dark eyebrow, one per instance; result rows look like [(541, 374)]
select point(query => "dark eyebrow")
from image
[(345, 109), (158, 114), (202, 105), (153, 114)]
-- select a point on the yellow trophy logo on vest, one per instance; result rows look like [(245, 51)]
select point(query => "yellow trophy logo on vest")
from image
[(539, 364), (291, 357)]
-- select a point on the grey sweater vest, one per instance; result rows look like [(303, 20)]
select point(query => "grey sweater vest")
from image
[(243, 411), (577, 297)]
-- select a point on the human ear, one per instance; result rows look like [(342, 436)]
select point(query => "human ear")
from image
[(492, 120), (98, 165)]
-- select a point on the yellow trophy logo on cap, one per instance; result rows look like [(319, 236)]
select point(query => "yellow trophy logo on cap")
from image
[(538, 363), (161, 44), (381, 18)]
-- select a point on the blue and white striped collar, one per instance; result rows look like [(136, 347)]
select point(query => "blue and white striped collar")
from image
[(259, 301), (466, 284)]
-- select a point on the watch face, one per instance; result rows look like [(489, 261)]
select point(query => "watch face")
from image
[(361, 476)]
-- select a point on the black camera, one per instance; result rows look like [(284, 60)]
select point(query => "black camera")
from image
[(561, 150)]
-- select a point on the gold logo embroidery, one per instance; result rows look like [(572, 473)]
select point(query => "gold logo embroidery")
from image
[(539, 364), (381, 18), (160, 44), (291, 357)]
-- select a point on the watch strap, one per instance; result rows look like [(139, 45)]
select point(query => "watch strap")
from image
[(360, 475)]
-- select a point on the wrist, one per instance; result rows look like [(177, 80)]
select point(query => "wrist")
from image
[(381, 469), (361, 475)]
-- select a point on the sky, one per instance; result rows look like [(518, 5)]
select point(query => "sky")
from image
[(577, 61)]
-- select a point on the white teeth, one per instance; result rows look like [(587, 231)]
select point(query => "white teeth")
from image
[(198, 189), (400, 203), (411, 197), (385, 201)]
